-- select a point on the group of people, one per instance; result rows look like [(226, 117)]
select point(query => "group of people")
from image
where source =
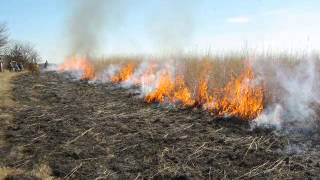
[(15, 67), (12, 66)]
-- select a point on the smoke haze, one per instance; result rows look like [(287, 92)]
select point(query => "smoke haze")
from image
[(89, 23), (295, 97), (173, 30)]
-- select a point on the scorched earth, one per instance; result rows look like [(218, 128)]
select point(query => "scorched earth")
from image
[(82, 130)]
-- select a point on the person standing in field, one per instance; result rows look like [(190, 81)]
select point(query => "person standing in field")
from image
[(20, 66), (46, 64), (11, 67), (16, 66), (1, 66)]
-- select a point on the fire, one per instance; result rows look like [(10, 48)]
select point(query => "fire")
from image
[(173, 91), (242, 98), (145, 77), (238, 98), (203, 96), (182, 93), (163, 90), (79, 64), (124, 74)]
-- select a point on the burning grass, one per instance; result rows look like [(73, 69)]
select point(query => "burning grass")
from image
[(75, 63), (225, 87), (124, 74)]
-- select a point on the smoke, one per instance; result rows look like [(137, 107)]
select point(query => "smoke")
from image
[(108, 73), (293, 93), (172, 29), (291, 86), (149, 73), (88, 23)]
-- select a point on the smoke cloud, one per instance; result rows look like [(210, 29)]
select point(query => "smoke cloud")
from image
[(88, 24), (172, 29)]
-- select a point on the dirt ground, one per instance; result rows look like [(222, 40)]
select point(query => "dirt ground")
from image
[(80, 130)]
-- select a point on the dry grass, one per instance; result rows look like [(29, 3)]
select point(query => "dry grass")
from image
[(219, 70), (5, 172), (5, 102), (41, 172), (5, 118), (5, 88)]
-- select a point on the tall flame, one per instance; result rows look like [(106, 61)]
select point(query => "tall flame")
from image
[(243, 98), (203, 96), (182, 93)]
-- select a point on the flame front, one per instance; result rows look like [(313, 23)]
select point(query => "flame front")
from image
[(79, 64), (241, 96)]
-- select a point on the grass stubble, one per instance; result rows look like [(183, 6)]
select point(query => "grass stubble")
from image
[(7, 106)]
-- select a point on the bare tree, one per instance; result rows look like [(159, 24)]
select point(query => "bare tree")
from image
[(3, 35), (23, 53)]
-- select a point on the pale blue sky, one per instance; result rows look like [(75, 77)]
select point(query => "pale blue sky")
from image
[(147, 26)]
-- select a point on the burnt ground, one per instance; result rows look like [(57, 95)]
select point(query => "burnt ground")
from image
[(87, 131)]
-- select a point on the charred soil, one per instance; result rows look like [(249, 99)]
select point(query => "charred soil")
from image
[(84, 130)]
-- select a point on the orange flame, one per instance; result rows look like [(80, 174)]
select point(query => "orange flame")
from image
[(78, 63), (124, 74), (242, 98), (239, 98), (182, 93), (172, 91), (164, 89), (203, 95)]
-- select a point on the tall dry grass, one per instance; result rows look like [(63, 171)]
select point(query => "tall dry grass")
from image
[(219, 70)]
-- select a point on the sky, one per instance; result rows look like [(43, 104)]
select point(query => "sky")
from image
[(153, 26)]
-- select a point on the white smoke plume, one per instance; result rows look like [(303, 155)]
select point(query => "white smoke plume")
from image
[(294, 92)]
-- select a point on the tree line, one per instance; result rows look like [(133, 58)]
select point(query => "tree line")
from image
[(20, 52)]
